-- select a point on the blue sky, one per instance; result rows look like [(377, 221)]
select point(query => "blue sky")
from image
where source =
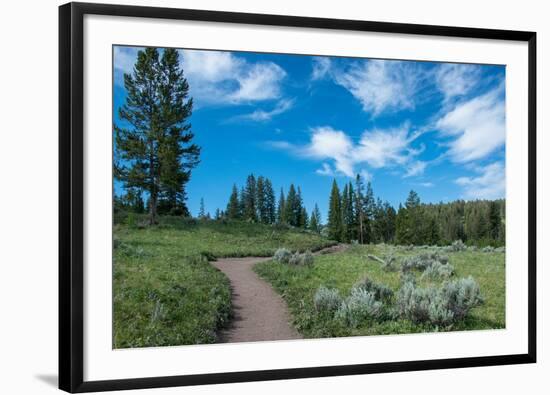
[(437, 128)]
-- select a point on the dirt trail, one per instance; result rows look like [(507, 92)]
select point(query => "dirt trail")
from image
[(259, 312)]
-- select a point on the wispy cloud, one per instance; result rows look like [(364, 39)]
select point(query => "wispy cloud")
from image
[(489, 184), (381, 86), (377, 148), (456, 79), (325, 170), (416, 168), (477, 127), (320, 68), (282, 106)]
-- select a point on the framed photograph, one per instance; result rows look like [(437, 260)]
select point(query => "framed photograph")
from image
[(251, 197)]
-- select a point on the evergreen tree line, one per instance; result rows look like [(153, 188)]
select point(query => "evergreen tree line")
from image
[(256, 202), (356, 215), (154, 153), (478, 222)]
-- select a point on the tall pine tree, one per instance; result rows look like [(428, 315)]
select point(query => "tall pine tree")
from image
[(155, 153), (335, 227), (233, 207)]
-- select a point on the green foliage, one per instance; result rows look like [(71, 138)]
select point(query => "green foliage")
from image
[(380, 291), (438, 270), (282, 255), (166, 293), (233, 206), (155, 153), (249, 197), (440, 306), (335, 224), (315, 220), (359, 307), (342, 271), (327, 301)]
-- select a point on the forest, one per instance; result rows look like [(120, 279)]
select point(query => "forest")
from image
[(357, 215)]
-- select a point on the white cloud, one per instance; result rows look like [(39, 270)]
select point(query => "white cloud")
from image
[(223, 78), (377, 148), (260, 81), (325, 170), (426, 184), (489, 184), (456, 79), (415, 169), (327, 143), (262, 116), (210, 66), (381, 85), (321, 67), (477, 126), (384, 147)]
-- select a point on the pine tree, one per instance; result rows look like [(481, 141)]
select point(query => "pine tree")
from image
[(269, 197), (178, 155), (281, 208), (299, 210), (389, 233), (233, 209), (304, 219), (261, 205), (348, 213), (155, 153), (249, 199), (217, 214), (359, 208), (494, 220), (335, 213), (242, 203), (379, 222), (202, 213), (292, 207), (315, 220)]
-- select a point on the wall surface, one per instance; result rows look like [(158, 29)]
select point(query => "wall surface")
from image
[(28, 197)]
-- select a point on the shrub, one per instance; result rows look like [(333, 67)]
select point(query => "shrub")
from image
[(417, 262), (461, 296), (380, 291), (300, 259), (307, 258), (326, 300), (294, 259), (438, 270), (458, 246), (360, 306), (438, 306), (423, 261), (282, 255)]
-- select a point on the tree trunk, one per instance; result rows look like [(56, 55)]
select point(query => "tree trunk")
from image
[(153, 187)]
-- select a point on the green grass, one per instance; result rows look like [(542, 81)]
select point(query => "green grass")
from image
[(298, 284), (165, 290)]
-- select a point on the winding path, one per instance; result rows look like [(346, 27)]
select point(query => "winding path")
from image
[(259, 312)]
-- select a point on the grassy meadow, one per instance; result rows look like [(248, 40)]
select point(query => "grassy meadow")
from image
[(165, 290), (340, 271)]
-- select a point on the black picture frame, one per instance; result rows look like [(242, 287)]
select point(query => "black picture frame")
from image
[(71, 171)]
